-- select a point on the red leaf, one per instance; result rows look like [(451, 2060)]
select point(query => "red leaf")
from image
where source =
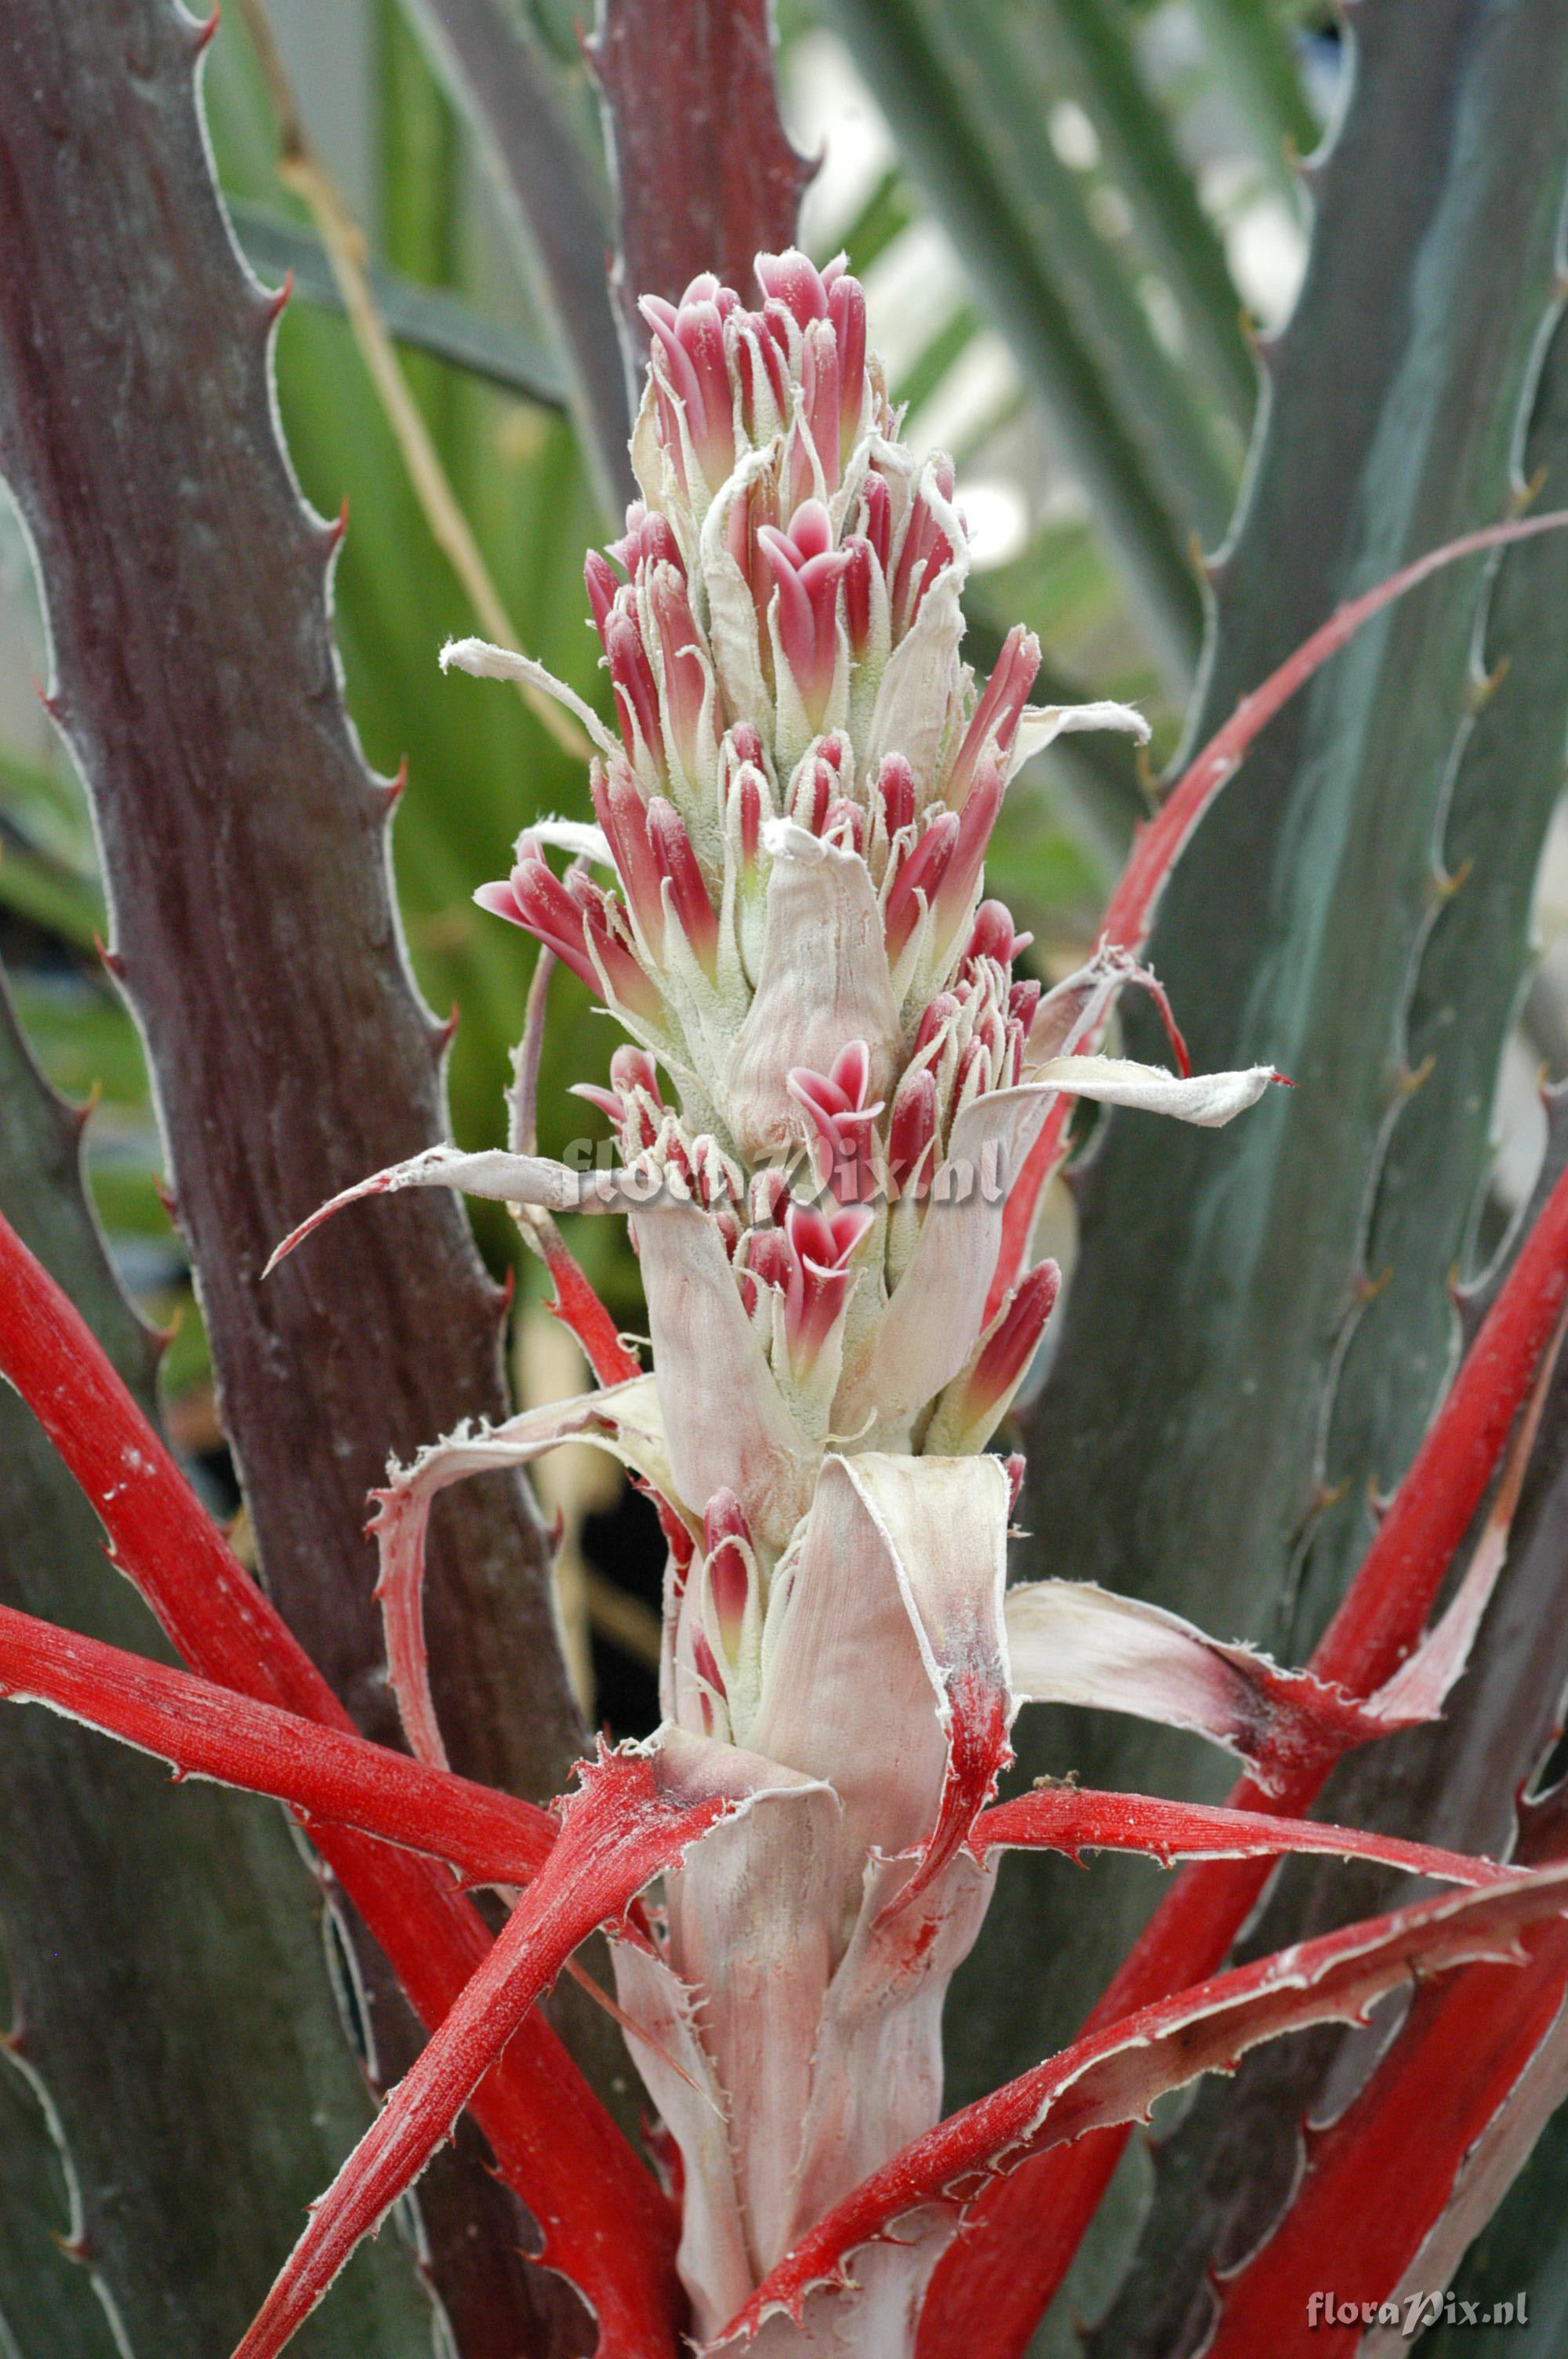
[(605, 2222), (578, 1307), (1073, 1819), (618, 1833), (322, 1773), (1115, 2075), (1380, 2176), (1027, 2230)]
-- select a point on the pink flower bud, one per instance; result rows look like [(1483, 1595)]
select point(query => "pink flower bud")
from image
[(750, 513), (731, 1565), (912, 1133), (792, 279), (962, 873), (847, 309), (861, 562), (974, 1078), (648, 539), (631, 1102), (604, 1101), (695, 370), (818, 1276), (876, 516), (996, 716), (750, 788), (821, 401), (631, 1069), (718, 1181), (770, 1194), (919, 876), (727, 1220), (768, 1257), (603, 583), (724, 1519), (936, 1020), (762, 376), (677, 865), (993, 936), (814, 788), (844, 825), (977, 1399), (584, 926), (729, 1585), (895, 789), (1016, 1467), (926, 551), (677, 1168), (533, 898), (707, 1668), (622, 813), (743, 743), (1006, 1351), (806, 570), (685, 667), (604, 927), (837, 1105), (632, 678)]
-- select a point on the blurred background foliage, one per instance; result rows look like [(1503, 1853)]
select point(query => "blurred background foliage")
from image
[(1069, 227)]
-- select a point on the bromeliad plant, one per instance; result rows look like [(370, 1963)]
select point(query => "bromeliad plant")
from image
[(832, 1119)]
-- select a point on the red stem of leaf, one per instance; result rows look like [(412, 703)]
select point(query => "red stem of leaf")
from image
[(577, 1306)]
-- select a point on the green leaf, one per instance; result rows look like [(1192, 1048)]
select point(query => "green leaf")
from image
[(37, 889), (44, 803), (84, 1038), (418, 317), (553, 198), (1095, 43), (925, 372), (1255, 57), (960, 98), (885, 215)]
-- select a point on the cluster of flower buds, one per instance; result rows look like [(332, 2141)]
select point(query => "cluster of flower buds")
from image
[(833, 1076), (796, 804)]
